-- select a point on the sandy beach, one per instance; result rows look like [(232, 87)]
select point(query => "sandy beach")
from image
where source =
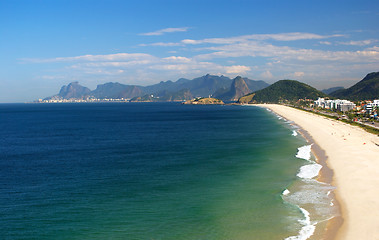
[(353, 155)]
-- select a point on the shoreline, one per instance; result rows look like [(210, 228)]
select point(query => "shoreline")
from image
[(326, 175), (347, 154), (331, 227)]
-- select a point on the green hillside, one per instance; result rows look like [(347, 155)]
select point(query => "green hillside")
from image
[(283, 90), (205, 101), (366, 89)]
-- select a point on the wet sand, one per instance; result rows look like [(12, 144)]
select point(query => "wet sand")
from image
[(350, 159)]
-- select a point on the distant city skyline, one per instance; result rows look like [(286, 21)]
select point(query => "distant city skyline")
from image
[(47, 44)]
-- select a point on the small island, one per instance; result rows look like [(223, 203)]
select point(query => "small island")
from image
[(204, 101)]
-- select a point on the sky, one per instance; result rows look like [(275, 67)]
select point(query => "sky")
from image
[(47, 44)]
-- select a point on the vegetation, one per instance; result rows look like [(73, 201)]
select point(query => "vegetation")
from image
[(367, 88), (246, 99), (348, 120), (205, 101), (285, 90)]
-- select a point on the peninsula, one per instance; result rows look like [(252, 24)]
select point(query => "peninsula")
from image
[(204, 101)]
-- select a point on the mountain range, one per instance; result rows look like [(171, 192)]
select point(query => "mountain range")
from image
[(242, 89), (366, 89), (182, 89)]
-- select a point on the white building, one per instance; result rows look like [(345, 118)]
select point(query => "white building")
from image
[(369, 107), (320, 102), (340, 105)]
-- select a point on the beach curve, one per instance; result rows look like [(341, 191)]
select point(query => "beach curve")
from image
[(352, 155)]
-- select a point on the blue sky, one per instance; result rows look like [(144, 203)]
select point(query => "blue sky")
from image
[(47, 44)]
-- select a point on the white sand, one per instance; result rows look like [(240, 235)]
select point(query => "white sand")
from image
[(353, 155)]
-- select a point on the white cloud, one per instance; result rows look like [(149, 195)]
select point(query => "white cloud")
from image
[(161, 44), (298, 74), (229, 56), (267, 75), (113, 64), (165, 30), (51, 77), (125, 64), (359, 43), (260, 37), (93, 58), (237, 69), (177, 59), (375, 48), (291, 36), (285, 53), (325, 43)]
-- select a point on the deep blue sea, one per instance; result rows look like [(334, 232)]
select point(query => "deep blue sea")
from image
[(153, 171)]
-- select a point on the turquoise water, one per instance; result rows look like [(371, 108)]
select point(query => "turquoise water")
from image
[(147, 171)]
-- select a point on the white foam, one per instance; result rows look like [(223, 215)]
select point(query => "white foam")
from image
[(307, 230), (307, 219), (304, 152), (285, 192), (309, 171), (313, 195), (294, 133)]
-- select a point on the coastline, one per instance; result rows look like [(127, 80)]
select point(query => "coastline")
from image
[(329, 230), (347, 154)]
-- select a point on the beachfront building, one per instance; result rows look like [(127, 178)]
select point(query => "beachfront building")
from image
[(320, 102), (345, 106), (340, 105), (371, 106)]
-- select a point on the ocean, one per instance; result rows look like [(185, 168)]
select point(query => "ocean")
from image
[(156, 171)]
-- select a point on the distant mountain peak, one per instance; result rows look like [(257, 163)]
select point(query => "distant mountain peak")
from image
[(73, 90), (181, 89), (370, 76), (237, 89), (240, 87), (366, 89)]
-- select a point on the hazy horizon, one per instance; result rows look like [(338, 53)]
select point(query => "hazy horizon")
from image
[(46, 45)]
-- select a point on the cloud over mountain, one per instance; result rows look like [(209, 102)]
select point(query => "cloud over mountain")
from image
[(264, 55)]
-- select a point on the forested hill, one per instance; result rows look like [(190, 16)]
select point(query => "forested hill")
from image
[(283, 90), (366, 89)]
